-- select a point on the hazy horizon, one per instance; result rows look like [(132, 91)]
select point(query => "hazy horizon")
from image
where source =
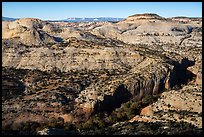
[(64, 10)]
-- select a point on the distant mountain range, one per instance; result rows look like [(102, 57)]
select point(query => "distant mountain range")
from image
[(8, 19), (90, 19), (75, 19), (99, 19)]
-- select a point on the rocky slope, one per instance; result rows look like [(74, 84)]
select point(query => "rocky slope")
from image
[(137, 73), (27, 31), (148, 29), (176, 105)]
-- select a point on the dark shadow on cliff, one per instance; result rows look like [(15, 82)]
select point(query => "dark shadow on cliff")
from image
[(58, 39), (180, 75), (110, 102)]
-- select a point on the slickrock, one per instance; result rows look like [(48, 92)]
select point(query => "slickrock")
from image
[(28, 31), (147, 29), (181, 105), (147, 111)]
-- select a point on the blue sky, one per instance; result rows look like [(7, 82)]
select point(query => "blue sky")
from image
[(63, 10)]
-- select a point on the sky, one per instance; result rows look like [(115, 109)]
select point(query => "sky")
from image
[(64, 10)]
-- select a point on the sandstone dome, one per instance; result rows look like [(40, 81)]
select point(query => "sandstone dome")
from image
[(144, 16), (31, 22), (27, 30)]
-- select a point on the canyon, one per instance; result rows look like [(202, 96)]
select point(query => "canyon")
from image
[(97, 77)]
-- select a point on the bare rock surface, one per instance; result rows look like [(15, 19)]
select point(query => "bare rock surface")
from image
[(181, 105)]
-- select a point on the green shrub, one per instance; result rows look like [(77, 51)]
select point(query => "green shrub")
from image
[(55, 123), (87, 125)]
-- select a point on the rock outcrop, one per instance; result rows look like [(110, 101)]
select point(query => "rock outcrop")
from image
[(108, 95), (28, 31), (147, 29)]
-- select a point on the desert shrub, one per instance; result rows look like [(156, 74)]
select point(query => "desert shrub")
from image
[(200, 114), (98, 121), (95, 122), (121, 116), (7, 128), (69, 127), (148, 99), (127, 111), (28, 128), (87, 125), (183, 128), (110, 119), (133, 107), (98, 132), (55, 123), (101, 124)]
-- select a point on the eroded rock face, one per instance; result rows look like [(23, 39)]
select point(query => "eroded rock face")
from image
[(106, 96), (75, 55), (197, 70), (152, 78)]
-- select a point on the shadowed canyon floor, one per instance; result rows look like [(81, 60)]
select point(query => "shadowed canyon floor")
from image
[(138, 76)]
